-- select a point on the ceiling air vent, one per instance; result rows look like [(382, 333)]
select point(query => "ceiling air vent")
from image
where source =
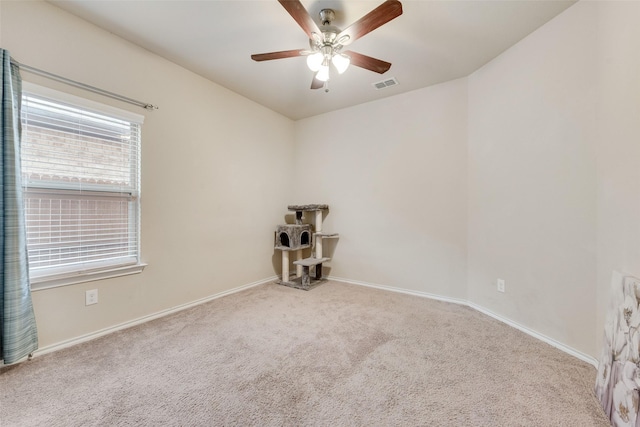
[(385, 83)]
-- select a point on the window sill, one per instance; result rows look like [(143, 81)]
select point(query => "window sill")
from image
[(56, 280)]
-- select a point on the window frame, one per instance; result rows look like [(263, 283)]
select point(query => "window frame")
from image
[(66, 275)]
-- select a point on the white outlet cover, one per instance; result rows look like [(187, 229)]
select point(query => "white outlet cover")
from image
[(501, 285), (91, 297)]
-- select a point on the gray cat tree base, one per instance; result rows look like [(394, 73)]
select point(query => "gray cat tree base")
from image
[(297, 237)]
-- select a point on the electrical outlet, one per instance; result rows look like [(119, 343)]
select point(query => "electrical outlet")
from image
[(501, 285), (91, 297)]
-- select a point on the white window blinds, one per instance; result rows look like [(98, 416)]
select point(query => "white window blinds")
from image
[(81, 173)]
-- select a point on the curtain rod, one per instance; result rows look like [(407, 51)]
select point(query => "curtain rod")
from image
[(87, 87)]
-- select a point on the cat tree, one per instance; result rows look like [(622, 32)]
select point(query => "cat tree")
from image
[(298, 237)]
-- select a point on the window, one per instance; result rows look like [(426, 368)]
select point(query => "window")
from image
[(81, 175)]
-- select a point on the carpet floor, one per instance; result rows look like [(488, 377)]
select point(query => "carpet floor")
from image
[(338, 355)]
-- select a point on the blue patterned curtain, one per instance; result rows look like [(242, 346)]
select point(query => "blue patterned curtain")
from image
[(18, 334)]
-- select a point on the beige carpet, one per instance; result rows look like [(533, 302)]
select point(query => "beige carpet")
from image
[(338, 355)]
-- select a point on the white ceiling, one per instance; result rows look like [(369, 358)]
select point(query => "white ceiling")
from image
[(430, 43)]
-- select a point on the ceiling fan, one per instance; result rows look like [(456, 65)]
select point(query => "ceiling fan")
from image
[(327, 41)]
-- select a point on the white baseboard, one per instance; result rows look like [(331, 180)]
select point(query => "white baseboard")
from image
[(400, 290), (571, 351), (97, 334)]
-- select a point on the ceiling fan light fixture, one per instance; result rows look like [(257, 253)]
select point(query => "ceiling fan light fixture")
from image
[(314, 61), (323, 73), (341, 62), (326, 42)]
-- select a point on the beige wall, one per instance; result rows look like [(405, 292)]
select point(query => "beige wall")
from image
[(211, 188), (618, 150), (394, 175), (532, 180), (554, 172)]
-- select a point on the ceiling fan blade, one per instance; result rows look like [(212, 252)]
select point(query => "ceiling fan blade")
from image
[(379, 16), (278, 55), (301, 16), (368, 63), (315, 83)]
